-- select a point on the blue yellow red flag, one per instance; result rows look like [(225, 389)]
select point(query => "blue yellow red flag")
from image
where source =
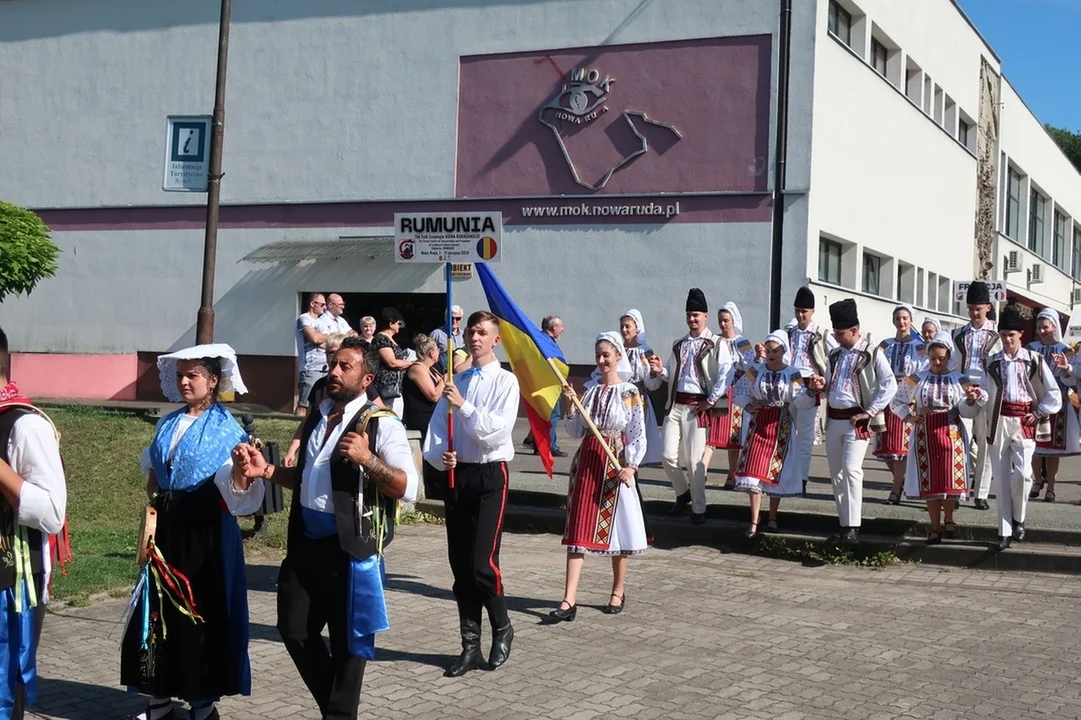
[(528, 350)]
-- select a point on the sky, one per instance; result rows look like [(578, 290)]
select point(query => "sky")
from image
[(1039, 43)]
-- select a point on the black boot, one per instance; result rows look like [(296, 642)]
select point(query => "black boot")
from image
[(470, 659), (682, 501), (502, 632), (1018, 531)]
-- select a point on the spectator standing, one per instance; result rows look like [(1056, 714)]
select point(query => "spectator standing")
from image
[(392, 359), (552, 326), (439, 335), (312, 358), (367, 328), (422, 387), (333, 319)]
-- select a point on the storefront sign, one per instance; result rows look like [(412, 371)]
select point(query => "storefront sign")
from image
[(461, 271), (1073, 328), (187, 153), (448, 237), (997, 289)]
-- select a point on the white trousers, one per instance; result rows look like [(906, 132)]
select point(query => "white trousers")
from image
[(979, 457), (845, 452), (1011, 468), (805, 438), (684, 445)]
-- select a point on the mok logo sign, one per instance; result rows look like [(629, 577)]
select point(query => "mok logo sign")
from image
[(582, 100)]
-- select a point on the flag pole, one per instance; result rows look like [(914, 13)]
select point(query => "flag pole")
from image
[(585, 416), (450, 372)]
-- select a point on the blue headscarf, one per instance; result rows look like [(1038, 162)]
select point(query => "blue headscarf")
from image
[(205, 447)]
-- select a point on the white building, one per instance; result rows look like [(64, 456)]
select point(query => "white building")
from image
[(340, 114)]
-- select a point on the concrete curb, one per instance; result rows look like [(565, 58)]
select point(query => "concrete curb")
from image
[(822, 524), (1034, 555)]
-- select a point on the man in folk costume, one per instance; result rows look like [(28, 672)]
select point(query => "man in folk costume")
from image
[(859, 384), (975, 342), (485, 398), (1022, 394), (697, 380), (810, 344), (355, 465), (33, 500)]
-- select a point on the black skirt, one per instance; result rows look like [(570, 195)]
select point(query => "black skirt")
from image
[(194, 660)]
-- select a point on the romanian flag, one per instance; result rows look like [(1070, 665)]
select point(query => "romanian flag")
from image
[(528, 350)]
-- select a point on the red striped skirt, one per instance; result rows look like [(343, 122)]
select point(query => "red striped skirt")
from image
[(768, 436), (1058, 430), (941, 456), (592, 495), (893, 443), (725, 427)]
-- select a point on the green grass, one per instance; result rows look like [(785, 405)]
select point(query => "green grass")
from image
[(107, 494), (784, 549)]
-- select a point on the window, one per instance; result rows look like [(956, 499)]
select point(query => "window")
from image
[(932, 290), (1013, 205), (906, 283), (1058, 247), (872, 273), (1037, 209), (879, 56), (829, 261), (945, 294), (1077, 253), (963, 129), (919, 289), (840, 23)]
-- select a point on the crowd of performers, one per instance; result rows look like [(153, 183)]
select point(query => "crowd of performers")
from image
[(951, 414)]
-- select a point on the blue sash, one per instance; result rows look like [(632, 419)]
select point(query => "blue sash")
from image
[(18, 652), (205, 447), (366, 608), (317, 524)]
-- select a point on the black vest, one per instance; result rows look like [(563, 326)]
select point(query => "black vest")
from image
[(8, 525), (354, 531)]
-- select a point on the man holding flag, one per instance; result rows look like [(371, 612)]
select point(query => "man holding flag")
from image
[(485, 402)]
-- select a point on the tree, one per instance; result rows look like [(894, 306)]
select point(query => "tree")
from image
[(27, 254), (1069, 142)]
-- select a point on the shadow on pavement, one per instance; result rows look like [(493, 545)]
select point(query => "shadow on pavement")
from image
[(388, 655), (69, 700), (263, 578)]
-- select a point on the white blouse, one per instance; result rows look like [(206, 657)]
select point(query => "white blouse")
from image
[(927, 392), (905, 358), (614, 409), (774, 388), (239, 503)]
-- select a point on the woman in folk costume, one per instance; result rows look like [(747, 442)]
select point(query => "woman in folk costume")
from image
[(726, 421), (906, 354), (604, 505), (188, 634), (770, 459), (633, 329), (933, 401), (1065, 429)]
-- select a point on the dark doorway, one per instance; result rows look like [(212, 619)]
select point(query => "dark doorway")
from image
[(423, 312)]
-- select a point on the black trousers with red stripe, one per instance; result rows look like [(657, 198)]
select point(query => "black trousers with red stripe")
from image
[(474, 515)]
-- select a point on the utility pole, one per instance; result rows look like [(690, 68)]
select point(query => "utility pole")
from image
[(204, 332)]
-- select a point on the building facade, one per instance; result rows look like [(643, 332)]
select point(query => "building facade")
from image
[(630, 147)]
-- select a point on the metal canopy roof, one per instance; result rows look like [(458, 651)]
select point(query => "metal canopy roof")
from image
[(296, 251)]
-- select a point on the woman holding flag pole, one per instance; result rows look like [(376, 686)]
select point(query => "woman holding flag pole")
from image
[(604, 506)]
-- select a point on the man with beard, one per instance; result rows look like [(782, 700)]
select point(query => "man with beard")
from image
[(354, 466)]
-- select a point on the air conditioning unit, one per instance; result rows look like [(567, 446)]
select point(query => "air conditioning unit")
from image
[(1076, 296), (1014, 261), (1036, 274)]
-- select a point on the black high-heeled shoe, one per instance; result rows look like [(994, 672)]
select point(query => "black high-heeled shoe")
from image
[(611, 609), (561, 615)]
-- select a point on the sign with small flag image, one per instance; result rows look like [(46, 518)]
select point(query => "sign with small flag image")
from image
[(464, 237)]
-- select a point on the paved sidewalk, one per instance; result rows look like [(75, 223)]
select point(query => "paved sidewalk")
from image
[(705, 635)]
